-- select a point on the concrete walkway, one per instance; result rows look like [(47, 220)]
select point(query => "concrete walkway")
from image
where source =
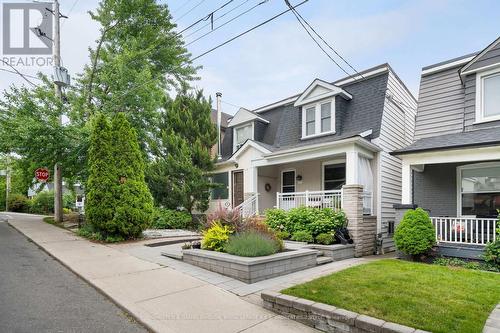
[(163, 299), (493, 322)]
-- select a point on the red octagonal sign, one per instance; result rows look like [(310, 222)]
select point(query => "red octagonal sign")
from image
[(42, 174)]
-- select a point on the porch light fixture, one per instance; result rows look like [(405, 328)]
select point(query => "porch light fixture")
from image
[(236, 165), (299, 178)]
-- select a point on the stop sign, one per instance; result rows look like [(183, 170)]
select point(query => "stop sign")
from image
[(42, 174)]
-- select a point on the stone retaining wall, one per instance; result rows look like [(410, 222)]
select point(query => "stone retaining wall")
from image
[(328, 318), (335, 251), (250, 270)]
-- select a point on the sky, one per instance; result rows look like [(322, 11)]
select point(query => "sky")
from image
[(279, 59)]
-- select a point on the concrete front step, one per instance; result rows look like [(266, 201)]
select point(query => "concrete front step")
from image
[(323, 260), (173, 255), (320, 253)]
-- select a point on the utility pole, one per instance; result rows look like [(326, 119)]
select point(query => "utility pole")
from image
[(219, 118), (58, 214), (7, 183)]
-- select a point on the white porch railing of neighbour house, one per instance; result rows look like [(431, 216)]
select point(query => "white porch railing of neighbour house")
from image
[(320, 199), (248, 207), (465, 230)]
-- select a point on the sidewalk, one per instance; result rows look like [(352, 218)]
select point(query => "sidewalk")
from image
[(163, 299)]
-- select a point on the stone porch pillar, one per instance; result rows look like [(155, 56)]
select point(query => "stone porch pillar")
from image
[(362, 230)]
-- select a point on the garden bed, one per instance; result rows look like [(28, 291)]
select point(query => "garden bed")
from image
[(252, 269), (428, 297)]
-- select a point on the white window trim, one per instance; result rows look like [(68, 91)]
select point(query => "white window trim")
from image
[(241, 126), (331, 162), (459, 181), (317, 118), (294, 179), (480, 118)]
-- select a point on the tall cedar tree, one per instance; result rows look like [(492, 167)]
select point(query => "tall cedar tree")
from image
[(134, 203), (100, 198), (178, 175)]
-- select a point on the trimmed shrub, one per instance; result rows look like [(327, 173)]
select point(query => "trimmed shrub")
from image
[(325, 238), (277, 219), (492, 253), (283, 234), (415, 234), (302, 236), (251, 244), (43, 203), (216, 237), (18, 203), (171, 219)]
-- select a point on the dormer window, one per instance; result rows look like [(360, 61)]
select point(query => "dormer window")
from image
[(488, 96), (318, 119), (317, 103), (242, 134)]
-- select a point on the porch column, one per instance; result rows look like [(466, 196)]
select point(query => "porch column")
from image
[(406, 197), (361, 229), (254, 184), (351, 170)]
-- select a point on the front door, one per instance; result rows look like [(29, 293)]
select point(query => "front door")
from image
[(238, 190)]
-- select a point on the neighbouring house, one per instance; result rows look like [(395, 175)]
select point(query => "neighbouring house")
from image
[(453, 167), (328, 146), (223, 127)]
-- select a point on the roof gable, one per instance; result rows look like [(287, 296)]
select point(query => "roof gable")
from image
[(320, 89), (243, 116), (477, 62)]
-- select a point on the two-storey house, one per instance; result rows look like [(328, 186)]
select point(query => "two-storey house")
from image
[(453, 167), (307, 149)]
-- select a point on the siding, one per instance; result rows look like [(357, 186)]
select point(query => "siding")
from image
[(440, 104), (397, 131), (489, 58)]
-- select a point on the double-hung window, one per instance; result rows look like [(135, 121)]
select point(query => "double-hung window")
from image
[(488, 96), (242, 134), (221, 189), (318, 118), (479, 189)]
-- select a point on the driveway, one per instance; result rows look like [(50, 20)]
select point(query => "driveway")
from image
[(38, 294)]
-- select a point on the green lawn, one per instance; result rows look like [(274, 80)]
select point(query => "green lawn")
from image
[(429, 297)]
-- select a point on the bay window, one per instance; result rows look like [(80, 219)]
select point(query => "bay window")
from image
[(479, 189), (318, 118)]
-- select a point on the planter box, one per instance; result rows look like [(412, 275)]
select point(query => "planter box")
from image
[(250, 270), (335, 251)]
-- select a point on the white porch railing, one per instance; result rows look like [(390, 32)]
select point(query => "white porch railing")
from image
[(249, 207), (320, 199), (464, 230)]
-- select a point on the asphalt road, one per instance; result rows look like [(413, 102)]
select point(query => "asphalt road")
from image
[(38, 294)]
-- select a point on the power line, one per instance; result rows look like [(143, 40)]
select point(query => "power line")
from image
[(217, 18), (27, 75), (227, 22), (70, 10), (231, 104), (206, 17), (299, 17), (247, 31), (181, 6), (189, 11), (19, 73)]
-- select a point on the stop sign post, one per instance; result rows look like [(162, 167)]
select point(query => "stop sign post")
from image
[(42, 174)]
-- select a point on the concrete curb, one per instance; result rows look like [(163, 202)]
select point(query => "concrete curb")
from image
[(100, 290), (328, 318)]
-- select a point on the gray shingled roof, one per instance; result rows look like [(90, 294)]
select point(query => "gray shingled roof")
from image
[(484, 137), (224, 118), (363, 112)]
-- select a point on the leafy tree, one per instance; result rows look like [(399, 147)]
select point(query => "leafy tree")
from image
[(138, 57), (134, 204), (100, 198), (178, 175)]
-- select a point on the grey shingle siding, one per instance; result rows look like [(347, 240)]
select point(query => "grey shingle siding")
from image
[(489, 58), (259, 130), (440, 104)]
